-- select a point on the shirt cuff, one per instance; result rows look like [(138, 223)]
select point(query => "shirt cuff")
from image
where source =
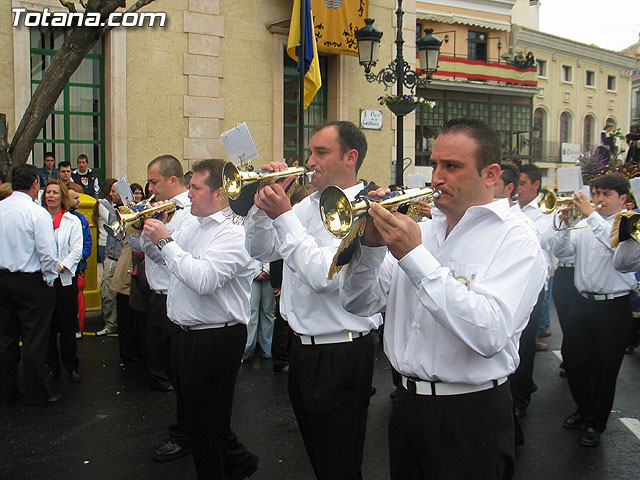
[(418, 264), (170, 251), (594, 219), (286, 223)]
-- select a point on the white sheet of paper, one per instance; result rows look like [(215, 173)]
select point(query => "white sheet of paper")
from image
[(124, 190), (239, 144), (569, 179), (586, 190), (635, 188), (415, 180)]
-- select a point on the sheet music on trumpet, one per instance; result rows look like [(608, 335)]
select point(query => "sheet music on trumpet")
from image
[(124, 190), (239, 144)]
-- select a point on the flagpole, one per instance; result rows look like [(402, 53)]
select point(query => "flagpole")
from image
[(301, 72)]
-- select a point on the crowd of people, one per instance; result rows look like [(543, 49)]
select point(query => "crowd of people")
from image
[(197, 293)]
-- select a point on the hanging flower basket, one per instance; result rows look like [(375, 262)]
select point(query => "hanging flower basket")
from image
[(405, 104)]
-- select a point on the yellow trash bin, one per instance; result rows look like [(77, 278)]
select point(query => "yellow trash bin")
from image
[(91, 291)]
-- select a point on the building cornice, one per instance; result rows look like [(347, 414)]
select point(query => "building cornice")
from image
[(562, 46)]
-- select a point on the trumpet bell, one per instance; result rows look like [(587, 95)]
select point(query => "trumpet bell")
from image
[(336, 211), (231, 180), (132, 222)]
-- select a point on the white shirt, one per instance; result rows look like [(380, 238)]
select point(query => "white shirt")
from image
[(543, 226), (309, 301), (594, 271), (211, 273), (156, 270), (27, 243), (103, 218), (455, 306), (627, 256), (69, 241)]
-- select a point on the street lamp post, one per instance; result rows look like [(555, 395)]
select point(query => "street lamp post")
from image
[(398, 72)]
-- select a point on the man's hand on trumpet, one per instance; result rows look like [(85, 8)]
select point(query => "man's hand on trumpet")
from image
[(272, 198), (583, 203), (155, 228), (397, 231)]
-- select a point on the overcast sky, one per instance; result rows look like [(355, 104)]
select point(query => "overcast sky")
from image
[(610, 24)]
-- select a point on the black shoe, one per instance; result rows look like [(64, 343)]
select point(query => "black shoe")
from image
[(590, 438), (562, 372), (394, 394), (574, 420), (249, 468), (373, 391), (162, 388), (74, 376), (170, 451), (53, 399), (521, 412), (629, 350), (51, 376)]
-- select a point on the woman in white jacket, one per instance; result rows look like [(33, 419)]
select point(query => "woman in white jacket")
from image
[(68, 231)]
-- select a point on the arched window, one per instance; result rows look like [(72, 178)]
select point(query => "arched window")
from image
[(565, 127), (587, 137)]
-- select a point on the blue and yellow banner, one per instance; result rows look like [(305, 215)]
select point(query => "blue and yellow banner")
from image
[(311, 71), (336, 22)]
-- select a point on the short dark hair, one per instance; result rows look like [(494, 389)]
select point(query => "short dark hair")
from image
[(82, 155), (23, 176), (214, 168), (350, 137), (136, 186), (64, 163), (169, 166), (49, 155), (533, 172), (489, 148), (510, 174), (612, 181)]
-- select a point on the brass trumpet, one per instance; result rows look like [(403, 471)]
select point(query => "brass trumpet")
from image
[(234, 179), (131, 221), (339, 214), (550, 203)]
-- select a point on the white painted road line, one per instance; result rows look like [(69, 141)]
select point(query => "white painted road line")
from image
[(632, 424)]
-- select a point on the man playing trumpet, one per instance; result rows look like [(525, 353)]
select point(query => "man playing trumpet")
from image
[(457, 291), (597, 327), (331, 359)]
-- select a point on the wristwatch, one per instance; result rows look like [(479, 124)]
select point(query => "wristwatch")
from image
[(163, 241)]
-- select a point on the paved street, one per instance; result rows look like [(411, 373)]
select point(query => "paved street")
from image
[(109, 425)]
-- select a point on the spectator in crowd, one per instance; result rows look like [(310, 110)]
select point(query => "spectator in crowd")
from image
[(187, 179), (128, 340), (64, 172), (596, 330), (260, 326), (138, 192), (529, 60), (5, 190), (85, 177), (68, 234), (100, 217), (48, 171), (87, 245), (507, 183), (28, 269), (112, 254)]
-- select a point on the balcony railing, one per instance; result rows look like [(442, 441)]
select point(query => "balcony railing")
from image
[(460, 67)]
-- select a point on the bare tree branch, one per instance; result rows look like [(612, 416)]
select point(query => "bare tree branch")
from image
[(70, 5)]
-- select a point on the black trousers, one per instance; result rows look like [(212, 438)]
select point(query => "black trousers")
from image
[(595, 336), (522, 378), (329, 388), (26, 305), (159, 334), (282, 338), (564, 292), (205, 365), (452, 437), (128, 337), (65, 321)]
